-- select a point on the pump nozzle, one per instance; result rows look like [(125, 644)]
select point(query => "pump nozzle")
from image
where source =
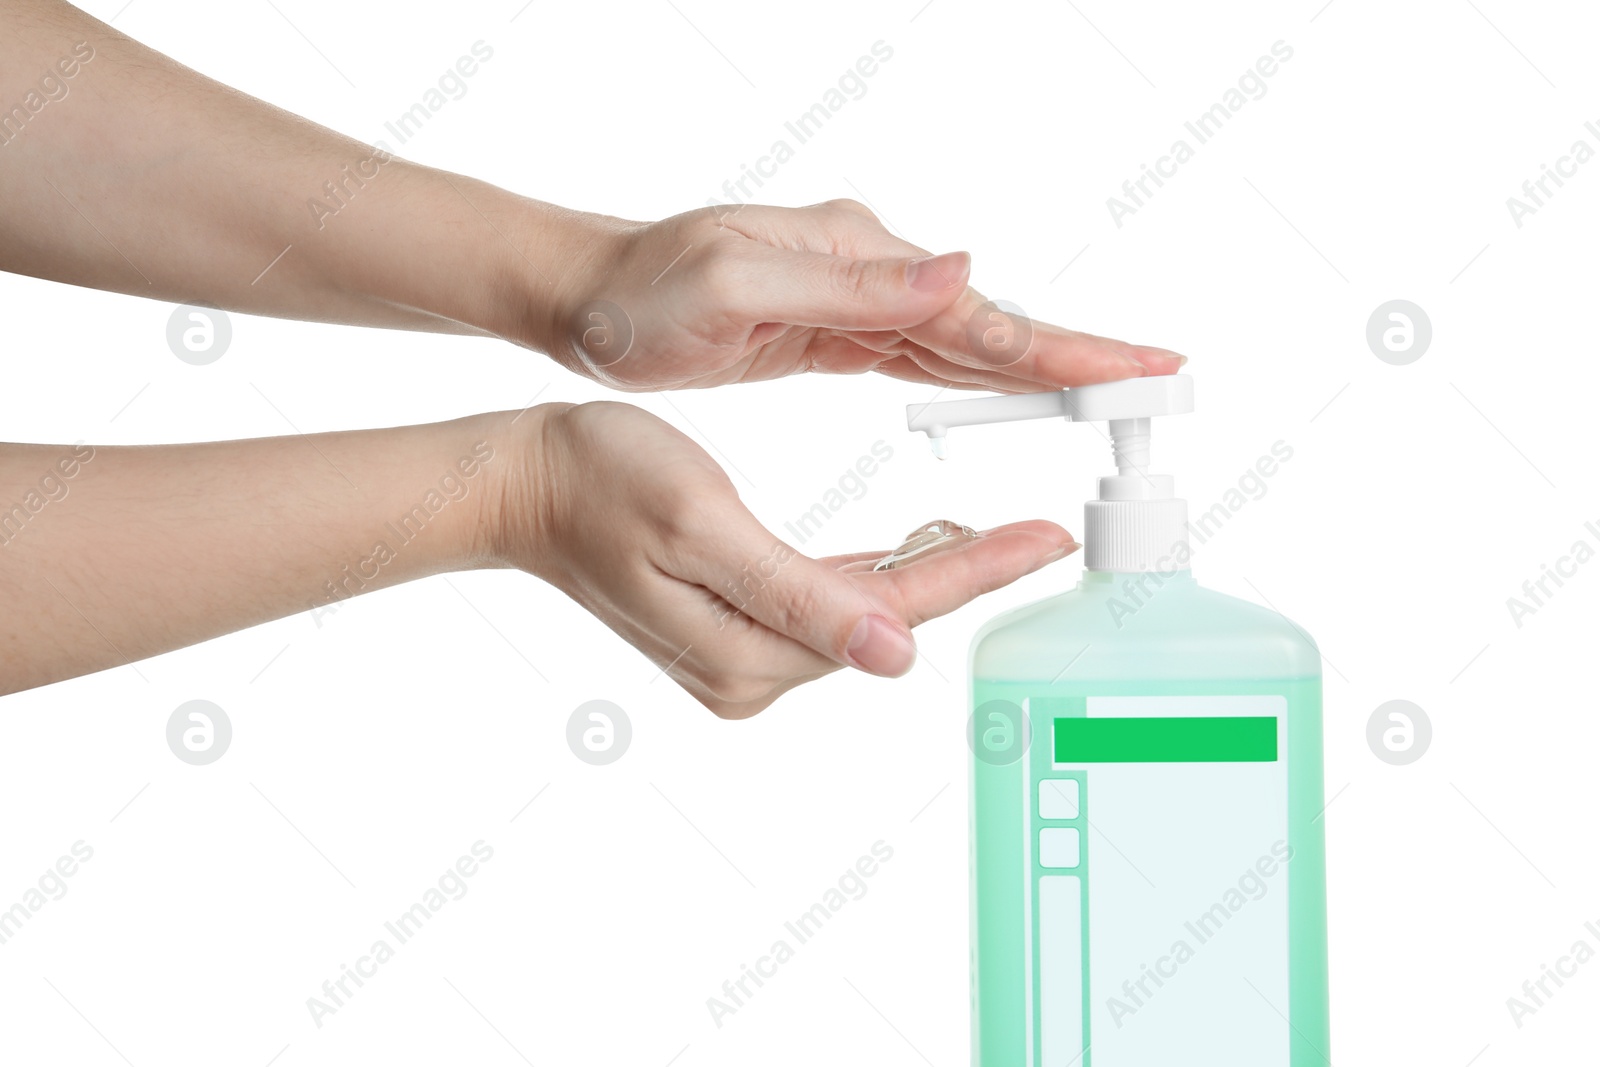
[(1136, 523), (1134, 398)]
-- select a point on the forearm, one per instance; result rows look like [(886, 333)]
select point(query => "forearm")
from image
[(139, 175), (109, 555)]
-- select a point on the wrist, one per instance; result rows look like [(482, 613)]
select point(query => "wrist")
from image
[(514, 523), (424, 494), (456, 250), (554, 261)]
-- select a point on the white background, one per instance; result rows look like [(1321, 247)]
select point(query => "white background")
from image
[(406, 726)]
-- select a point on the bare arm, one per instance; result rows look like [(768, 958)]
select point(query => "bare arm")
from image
[(108, 555), (121, 169), (139, 175)]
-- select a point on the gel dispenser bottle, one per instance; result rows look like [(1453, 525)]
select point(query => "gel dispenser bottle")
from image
[(1148, 881)]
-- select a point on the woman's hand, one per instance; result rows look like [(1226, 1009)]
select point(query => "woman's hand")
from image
[(746, 294), (636, 523), (239, 205)]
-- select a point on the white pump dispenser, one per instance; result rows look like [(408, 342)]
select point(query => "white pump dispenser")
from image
[(1136, 525)]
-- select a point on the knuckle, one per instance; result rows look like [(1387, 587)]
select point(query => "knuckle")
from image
[(682, 517), (855, 278), (844, 206), (688, 524), (721, 270), (796, 609)]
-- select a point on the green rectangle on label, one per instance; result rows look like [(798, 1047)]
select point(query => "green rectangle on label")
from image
[(1167, 739)]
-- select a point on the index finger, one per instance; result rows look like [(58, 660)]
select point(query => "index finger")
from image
[(987, 335), (973, 331), (947, 580)]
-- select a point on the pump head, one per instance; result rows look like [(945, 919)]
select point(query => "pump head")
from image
[(1136, 524)]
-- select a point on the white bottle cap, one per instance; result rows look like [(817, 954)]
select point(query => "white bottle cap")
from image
[(1136, 524)]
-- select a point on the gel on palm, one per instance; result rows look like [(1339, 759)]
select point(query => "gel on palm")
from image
[(1147, 850)]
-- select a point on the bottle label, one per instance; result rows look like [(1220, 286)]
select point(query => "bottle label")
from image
[(1157, 923)]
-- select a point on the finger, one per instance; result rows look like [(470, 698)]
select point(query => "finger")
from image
[(841, 292), (742, 666), (1053, 358), (729, 662), (922, 590), (944, 581), (973, 333), (895, 342), (906, 370), (1059, 358), (918, 591), (830, 352), (801, 598), (965, 377), (846, 559), (883, 341), (902, 368)]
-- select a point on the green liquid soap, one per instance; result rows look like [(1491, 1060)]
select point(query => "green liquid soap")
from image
[(1147, 842), (1148, 876)]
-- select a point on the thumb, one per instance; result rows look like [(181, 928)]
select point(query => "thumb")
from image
[(843, 293), (802, 599)]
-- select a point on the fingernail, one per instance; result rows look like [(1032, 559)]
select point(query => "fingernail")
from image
[(878, 646), (1058, 553), (1061, 553), (938, 272), (1154, 359)]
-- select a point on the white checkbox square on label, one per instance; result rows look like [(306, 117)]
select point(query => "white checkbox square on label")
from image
[(1058, 798), (1058, 847)]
